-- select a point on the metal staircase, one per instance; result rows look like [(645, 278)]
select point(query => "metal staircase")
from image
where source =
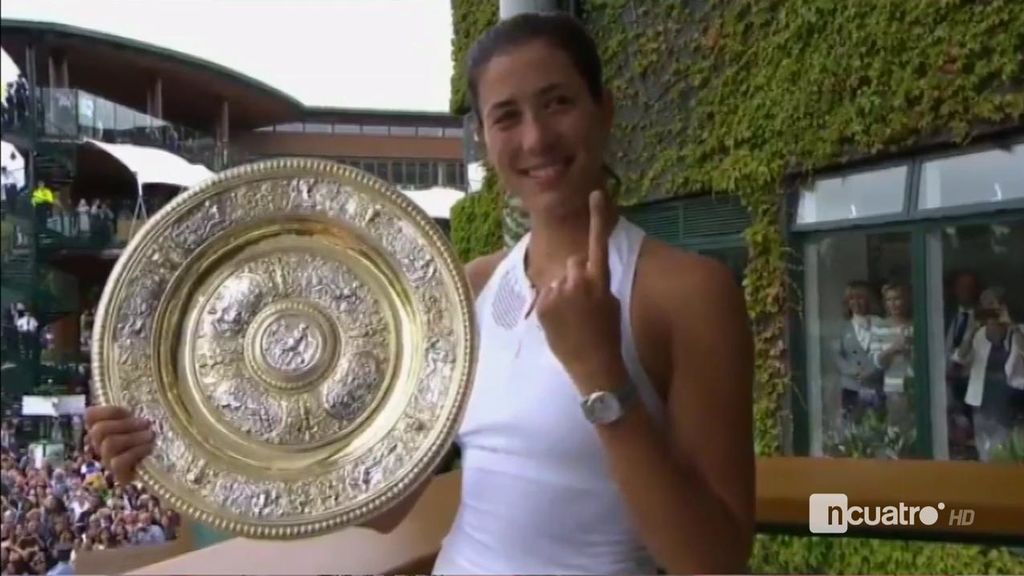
[(27, 278)]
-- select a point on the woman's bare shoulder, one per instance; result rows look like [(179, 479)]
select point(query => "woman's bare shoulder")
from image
[(669, 275), (480, 269)]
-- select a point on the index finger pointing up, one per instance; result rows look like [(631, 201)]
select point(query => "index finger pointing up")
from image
[(597, 260)]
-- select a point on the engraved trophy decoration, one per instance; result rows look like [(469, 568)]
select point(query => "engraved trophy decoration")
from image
[(301, 336)]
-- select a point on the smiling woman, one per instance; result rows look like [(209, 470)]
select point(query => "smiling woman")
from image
[(597, 439)]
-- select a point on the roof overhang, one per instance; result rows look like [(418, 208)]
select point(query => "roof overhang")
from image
[(124, 70)]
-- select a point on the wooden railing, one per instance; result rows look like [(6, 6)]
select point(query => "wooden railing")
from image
[(127, 558), (993, 492)]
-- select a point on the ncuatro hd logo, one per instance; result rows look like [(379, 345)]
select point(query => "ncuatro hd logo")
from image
[(833, 514)]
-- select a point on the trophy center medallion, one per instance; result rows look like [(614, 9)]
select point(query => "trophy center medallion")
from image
[(290, 345)]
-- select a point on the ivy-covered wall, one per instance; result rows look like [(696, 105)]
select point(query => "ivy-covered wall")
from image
[(732, 96), (752, 89), (470, 18)]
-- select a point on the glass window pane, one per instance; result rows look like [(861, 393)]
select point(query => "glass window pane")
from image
[(409, 180), (424, 177), (860, 195), (983, 269), (859, 333), (981, 178), (318, 128), (430, 132), (450, 175), (403, 130), (86, 113), (105, 124), (375, 130), (291, 127), (453, 132), (346, 129)]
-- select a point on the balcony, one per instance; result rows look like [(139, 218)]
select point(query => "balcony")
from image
[(71, 114)]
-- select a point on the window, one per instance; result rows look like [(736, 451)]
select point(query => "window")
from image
[(460, 175), (290, 127), (980, 330), (913, 331), (863, 195), (453, 132), (375, 130), (984, 178), (346, 129), (318, 128), (708, 224), (397, 173), (451, 170), (430, 132), (859, 325), (86, 113), (403, 130), (424, 174), (104, 124)]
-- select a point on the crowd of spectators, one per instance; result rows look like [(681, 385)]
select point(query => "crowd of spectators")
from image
[(53, 511)]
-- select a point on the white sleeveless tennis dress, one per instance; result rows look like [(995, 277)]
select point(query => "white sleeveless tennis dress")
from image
[(537, 495)]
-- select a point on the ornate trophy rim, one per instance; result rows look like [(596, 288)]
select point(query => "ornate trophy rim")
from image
[(451, 286)]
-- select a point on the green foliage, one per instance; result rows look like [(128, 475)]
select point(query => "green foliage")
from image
[(751, 90), (847, 555), (476, 221), (470, 18), (870, 437), (1012, 449)]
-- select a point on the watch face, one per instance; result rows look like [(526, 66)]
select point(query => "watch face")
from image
[(602, 407)]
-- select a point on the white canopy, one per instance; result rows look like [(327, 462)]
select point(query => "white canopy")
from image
[(152, 166), (14, 163), (476, 173), (155, 166), (436, 202)]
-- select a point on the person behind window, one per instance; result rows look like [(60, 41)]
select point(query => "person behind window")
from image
[(859, 378), (892, 351), (83, 217), (959, 317), (994, 357)]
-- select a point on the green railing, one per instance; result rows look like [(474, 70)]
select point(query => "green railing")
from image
[(71, 228), (110, 229), (68, 113)]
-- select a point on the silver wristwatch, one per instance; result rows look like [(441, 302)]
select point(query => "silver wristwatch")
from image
[(605, 407)]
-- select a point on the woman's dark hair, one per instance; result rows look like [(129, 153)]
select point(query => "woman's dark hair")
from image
[(560, 30)]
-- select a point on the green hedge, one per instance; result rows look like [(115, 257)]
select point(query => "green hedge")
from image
[(820, 555), (476, 228)]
